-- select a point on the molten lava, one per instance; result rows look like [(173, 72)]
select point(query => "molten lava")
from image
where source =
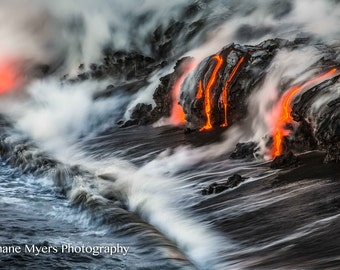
[(200, 90), (226, 90), (207, 95), (8, 77), (285, 111), (177, 114)]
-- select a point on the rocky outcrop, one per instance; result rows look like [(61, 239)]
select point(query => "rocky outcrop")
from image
[(228, 77), (223, 83), (287, 160), (121, 65), (161, 46), (216, 94), (244, 151), (318, 110), (215, 188), (143, 114)]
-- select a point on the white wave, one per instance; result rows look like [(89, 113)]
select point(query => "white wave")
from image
[(156, 199)]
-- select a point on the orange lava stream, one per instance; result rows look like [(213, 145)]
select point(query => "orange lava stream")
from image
[(225, 106), (277, 142), (226, 90), (285, 111), (207, 96), (200, 90), (8, 77), (177, 114)]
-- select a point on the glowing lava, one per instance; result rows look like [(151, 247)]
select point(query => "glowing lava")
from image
[(226, 90), (285, 111), (207, 95), (200, 90), (8, 77), (177, 114)]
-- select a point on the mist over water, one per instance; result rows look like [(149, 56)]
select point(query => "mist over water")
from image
[(48, 40)]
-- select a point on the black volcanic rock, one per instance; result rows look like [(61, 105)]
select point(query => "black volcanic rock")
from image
[(287, 160), (162, 97), (333, 154), (236, 71), (235, 180), (324, 129), (141, 110), (242, 69), (215, 188), (140, 115), (129, 88), (303, 139), (127, 65), (244, 150), (120, 65)]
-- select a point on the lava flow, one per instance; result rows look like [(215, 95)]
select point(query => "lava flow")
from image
[(200, 90), (8, 77), (177, 114), (285, 111), (207, 95), (226, 90)]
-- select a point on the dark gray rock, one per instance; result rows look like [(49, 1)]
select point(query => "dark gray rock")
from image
[(244, 150), (235, 180), (141, 115), (324, 129), (126, 88), (240, 76), (287, 160), (215, 188), (333, 154), (144, 114)]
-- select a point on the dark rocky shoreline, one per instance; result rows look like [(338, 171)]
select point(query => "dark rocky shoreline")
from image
[(242, 70)]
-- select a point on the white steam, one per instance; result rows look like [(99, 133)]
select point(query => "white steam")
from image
[(28, 32), (333, 92), (68, 32), (286, 66), (58, 114), (253, 22), (144, 95)]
